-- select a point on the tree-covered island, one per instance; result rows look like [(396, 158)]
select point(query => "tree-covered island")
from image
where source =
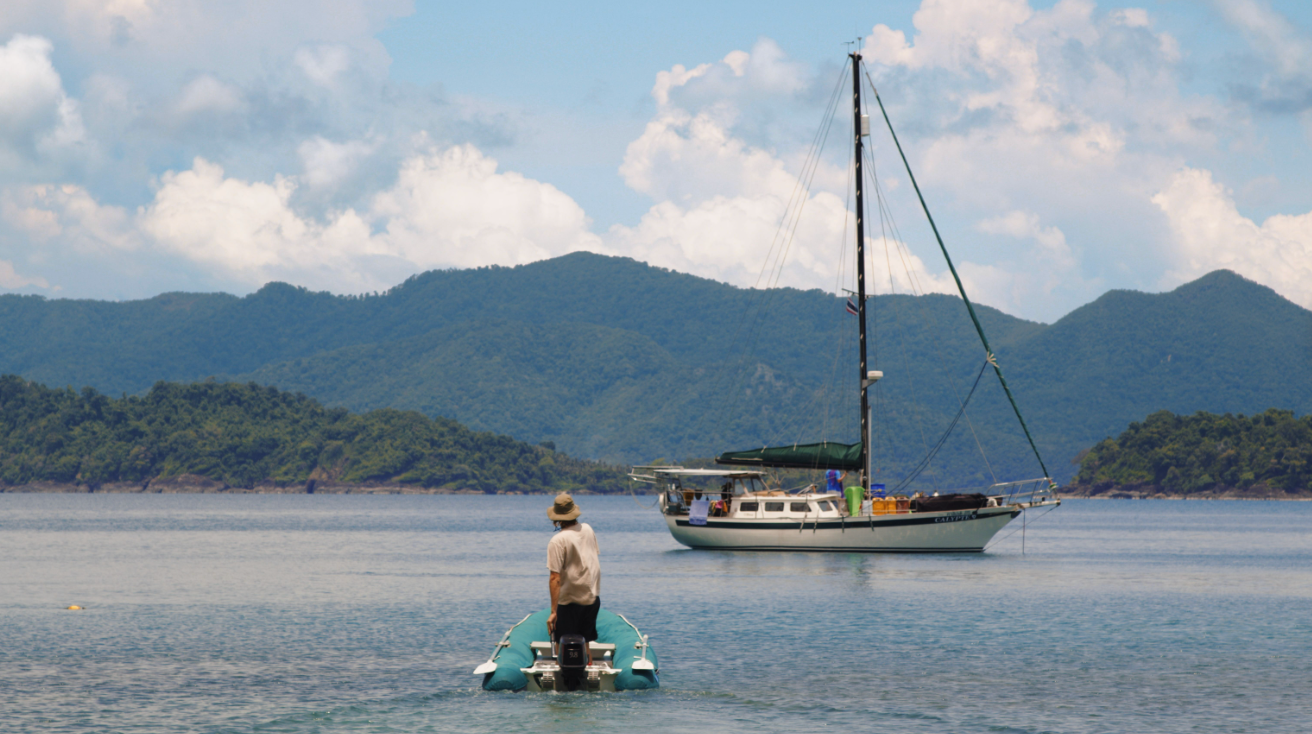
[(1265, 456), (214, 436)]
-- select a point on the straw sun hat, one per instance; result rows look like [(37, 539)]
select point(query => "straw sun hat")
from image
[(564, 508)]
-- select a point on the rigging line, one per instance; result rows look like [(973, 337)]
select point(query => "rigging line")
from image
[(938, 346), (754, 321), (917, 291), (731, 373), (772, 284), (925, 462), (812, 154), (807, 177), (834, 95), (842, 332), (810, 179), (652, 506), (992, 359), (995, 541), (886, 212)]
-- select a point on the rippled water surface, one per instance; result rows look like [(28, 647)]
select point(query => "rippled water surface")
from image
[(354, 613)]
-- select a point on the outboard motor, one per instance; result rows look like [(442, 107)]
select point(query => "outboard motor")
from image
[(573, 660)]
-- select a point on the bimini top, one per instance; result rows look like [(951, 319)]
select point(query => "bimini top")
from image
[(824, 455), (678, 471)]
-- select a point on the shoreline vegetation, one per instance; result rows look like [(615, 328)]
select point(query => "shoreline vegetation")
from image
[(1202, 456), (212, 437), (227, 437)]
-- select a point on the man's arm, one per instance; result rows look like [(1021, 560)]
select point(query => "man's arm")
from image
[(553, 583)]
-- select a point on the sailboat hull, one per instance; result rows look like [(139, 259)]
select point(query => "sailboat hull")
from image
[(962, 531)]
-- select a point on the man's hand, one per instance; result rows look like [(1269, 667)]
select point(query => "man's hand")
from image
[(553, 585)]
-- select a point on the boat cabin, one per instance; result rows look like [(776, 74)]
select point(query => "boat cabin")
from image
[(735, 494)]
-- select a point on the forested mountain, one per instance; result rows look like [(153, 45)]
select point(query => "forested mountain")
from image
[(1203, 455), (616, 360), (248, 435)]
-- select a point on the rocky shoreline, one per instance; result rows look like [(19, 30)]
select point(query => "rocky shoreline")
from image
[(1110, 491), (196, 484)]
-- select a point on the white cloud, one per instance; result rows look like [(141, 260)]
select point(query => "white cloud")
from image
[(728, 209), (327, 163), (764, 71), (238, 37), (70, 215), (36, 116), (1272, 35), (249, 230), (1286, 49), (12, 280), (1210, 233), (678, 76), (682, 156), (323, 64), (207, 95), (1013, 115), (1026, 225), (452, 208), (1032, 131), (448, 208)]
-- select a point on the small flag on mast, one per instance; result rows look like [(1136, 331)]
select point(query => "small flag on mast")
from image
[(851, 307)]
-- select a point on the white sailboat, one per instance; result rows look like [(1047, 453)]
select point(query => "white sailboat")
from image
[(753, 516), (734, 508)]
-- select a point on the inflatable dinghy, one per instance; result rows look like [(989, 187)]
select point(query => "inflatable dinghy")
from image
[(527, 659)]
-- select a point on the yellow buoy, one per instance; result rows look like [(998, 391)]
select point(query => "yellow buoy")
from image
[(75, 607)]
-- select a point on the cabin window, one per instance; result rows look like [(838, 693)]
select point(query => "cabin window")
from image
[(825, 506), (799, 507), (774, 507), (749, 506)]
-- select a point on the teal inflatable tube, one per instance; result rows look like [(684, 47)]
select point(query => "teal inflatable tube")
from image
[(611, 628)]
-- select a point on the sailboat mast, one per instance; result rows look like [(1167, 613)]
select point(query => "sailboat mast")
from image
[(861, 268)]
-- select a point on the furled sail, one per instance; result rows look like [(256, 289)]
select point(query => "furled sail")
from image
[(824, 455)]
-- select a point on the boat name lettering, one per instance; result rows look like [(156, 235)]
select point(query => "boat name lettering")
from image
[(957, 516)]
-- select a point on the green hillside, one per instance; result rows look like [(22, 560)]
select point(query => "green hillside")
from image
[(616, 360), (1269, 454), (246, 435)]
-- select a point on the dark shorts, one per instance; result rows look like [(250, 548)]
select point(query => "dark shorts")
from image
[(578, 619)]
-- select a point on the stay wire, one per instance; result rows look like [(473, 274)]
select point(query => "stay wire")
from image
[(974, 317), (946, 433), (913, 279), (729, 376), (782, 241), (917, 289)]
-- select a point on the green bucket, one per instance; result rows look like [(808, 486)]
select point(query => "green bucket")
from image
[(854, 497)]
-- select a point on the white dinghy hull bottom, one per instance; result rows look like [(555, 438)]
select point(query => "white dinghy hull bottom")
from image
[(962, 531)]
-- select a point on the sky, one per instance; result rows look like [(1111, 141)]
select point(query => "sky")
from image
[(1065, 149)]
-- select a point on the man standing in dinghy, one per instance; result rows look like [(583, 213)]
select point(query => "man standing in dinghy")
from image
[(575, 567)]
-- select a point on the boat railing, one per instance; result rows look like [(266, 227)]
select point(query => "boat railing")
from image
[(1026, 492), (636, 473)]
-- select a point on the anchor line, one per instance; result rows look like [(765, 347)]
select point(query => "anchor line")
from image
[(995, 541)]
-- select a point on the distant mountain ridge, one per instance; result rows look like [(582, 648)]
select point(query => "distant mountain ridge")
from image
[(616, 360)]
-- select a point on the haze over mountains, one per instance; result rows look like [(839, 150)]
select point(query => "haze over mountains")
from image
[(612, 359)]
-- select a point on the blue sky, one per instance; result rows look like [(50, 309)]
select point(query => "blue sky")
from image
[(1066, 148)]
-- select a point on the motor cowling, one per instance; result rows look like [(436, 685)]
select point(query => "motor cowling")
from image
[(572, 656)]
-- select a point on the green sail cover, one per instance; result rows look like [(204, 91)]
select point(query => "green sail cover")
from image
[(825, 455)]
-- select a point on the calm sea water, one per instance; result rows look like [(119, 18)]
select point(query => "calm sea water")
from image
[(367, 614)]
